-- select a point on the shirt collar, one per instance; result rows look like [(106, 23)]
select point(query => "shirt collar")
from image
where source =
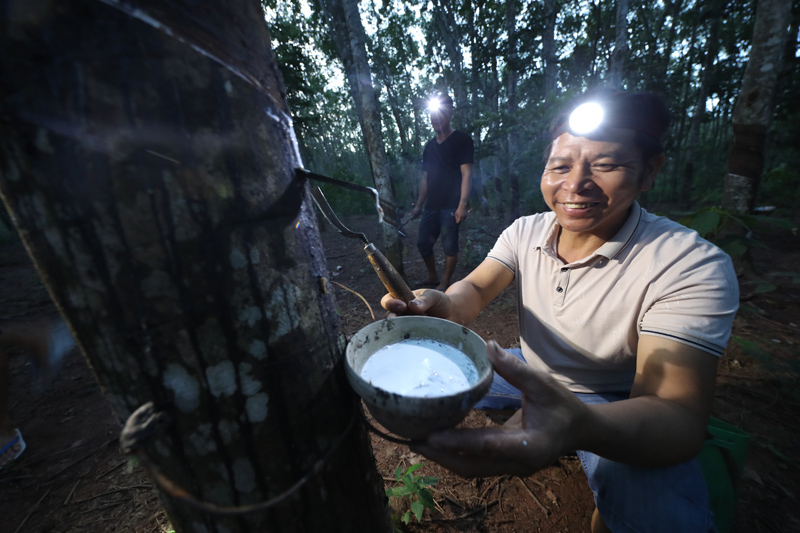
[(610, 249)]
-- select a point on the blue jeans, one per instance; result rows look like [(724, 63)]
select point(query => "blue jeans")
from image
[(433, 223), (630, 499)]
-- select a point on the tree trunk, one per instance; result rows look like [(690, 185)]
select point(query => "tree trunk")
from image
[(620, 46), (446, 23), (706, 76), (752, 113), (549, 49), (348, 35), (146, 156), (511, 93)]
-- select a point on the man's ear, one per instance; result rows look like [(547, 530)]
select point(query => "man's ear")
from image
[(651, 170)]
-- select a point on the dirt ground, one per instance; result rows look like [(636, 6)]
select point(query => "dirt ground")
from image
[(73, 478)]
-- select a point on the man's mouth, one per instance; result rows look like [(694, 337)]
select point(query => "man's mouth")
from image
[(585, 205)]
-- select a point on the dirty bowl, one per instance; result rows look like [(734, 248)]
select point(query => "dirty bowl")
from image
[(415, 417)]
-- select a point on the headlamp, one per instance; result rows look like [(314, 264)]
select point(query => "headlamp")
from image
[(586, 118), (594, 117), (434, 105)]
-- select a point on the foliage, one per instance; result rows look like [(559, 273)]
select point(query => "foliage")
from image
[(495, 67), (735, 234), (413, 488)]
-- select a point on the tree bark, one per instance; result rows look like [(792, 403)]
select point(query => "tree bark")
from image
[(752, 113), (620, 46), (147, 157)]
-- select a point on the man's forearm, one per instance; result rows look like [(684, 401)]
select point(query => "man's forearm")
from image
[(645, 431), (466, 174)]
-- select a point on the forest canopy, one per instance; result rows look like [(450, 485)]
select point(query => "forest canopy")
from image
[(511, 65)]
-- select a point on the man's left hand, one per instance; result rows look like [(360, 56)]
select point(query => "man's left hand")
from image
[(544, 429), (461, 214)]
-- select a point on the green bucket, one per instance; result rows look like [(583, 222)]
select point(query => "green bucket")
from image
[(722, 460)]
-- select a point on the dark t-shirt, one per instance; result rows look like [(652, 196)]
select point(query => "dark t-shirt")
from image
[(443, 163)]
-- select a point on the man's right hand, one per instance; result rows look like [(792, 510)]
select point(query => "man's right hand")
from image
[(426, 302), (415, 213)]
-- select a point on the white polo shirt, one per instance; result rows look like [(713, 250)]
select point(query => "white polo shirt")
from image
[(581, 321)]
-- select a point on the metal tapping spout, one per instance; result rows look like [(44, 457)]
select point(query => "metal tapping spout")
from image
[(390, 278)]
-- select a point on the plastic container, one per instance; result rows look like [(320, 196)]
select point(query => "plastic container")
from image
[(722, 461)]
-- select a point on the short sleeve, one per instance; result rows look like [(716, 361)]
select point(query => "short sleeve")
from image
[(505, 249), (467, 153), (698, 302)]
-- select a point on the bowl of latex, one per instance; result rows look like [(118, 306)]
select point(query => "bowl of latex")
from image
[(418, 374)]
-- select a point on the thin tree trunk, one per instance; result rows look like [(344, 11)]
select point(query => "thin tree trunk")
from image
[(752, 113), (620, 46), (446, 23), (706, 76), (511, 94), (549, 49), (147, 160)]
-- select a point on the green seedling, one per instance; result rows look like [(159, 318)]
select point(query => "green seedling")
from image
[(413, 487)]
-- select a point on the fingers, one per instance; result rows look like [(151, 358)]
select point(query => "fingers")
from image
[(530, 382), (426, 302), (483, 452)]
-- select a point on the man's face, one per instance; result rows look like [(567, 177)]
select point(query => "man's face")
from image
[(440, 119), (590, 184)]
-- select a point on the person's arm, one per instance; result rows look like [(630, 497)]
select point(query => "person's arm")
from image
[(463, 300), (461, 211), (665, 420), (423, 194), (662, 423)]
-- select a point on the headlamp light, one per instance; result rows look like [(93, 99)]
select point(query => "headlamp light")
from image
[(434, 105), (592, 118), (586, 118)]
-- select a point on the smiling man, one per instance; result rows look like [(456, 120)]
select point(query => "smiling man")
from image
[(623, 317)]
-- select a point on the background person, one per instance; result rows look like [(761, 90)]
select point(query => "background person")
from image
[(623, 316), (444, 191)]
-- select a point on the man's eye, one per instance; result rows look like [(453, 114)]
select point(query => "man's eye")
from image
[(561, 169), (605, 166)]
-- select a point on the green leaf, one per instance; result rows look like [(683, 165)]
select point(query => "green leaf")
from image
[(407, 517), (417, 509), (398, 473), (429, 480), (705, 222), (735, 248), (414, 468), (389, 493), (426, 498), (765, 287)]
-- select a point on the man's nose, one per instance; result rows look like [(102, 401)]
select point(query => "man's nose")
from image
[(578, 178)]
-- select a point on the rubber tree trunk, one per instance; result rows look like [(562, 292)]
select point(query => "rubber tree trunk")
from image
[(146, 157), (752, 113)]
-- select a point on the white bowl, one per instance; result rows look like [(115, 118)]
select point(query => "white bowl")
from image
[(415, 417)]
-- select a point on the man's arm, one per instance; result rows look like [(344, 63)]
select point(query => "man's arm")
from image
[(662, 424), (463, 300), (423, 194), (466, 173)]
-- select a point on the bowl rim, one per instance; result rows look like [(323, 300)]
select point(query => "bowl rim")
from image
[(486, 375)]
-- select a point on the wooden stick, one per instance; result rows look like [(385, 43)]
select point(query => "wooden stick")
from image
[(537, 500), (121, 489), (75, 486)]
